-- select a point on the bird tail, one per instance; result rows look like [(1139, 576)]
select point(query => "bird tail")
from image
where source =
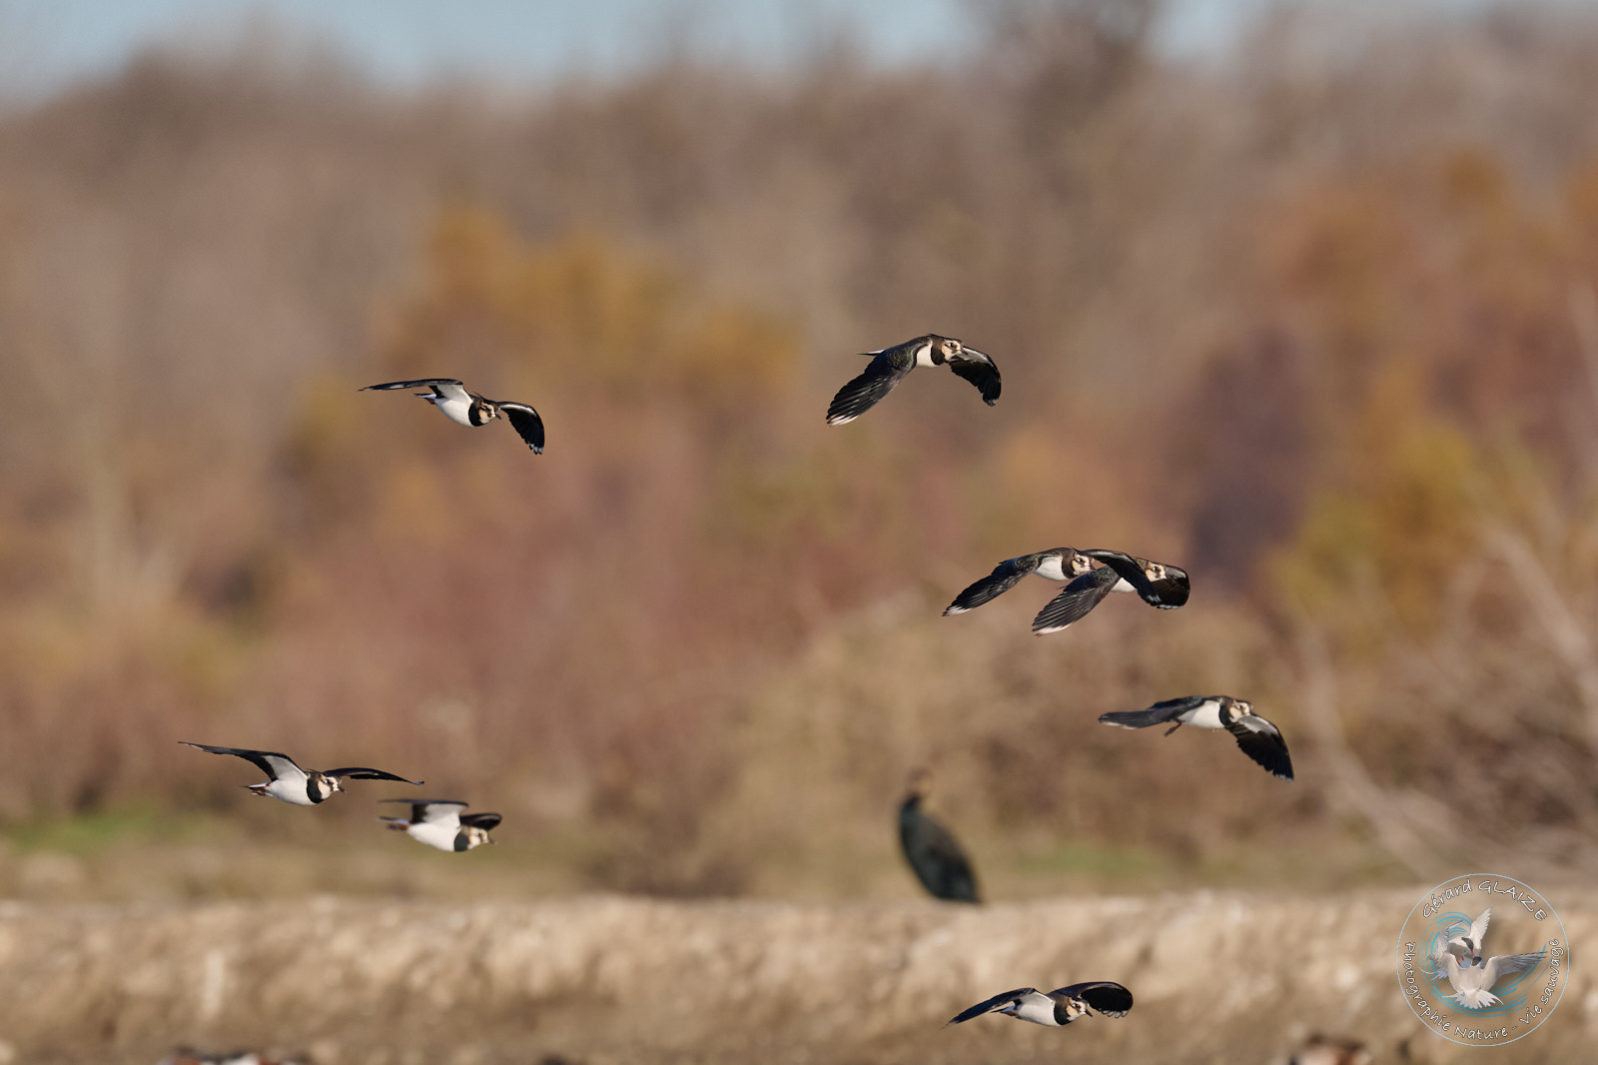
[(398, 824), (1136, 718), (1476, 998)]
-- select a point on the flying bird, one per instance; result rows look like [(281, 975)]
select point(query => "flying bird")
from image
[(1057, 1008), (469, 408), (1255, 736), (1473, 982), (1091, 574), (934, 855), (890, 366), (440, 823), (290, 783), (1055, 564)]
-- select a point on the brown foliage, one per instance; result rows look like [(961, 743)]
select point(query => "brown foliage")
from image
[(1316, 324)]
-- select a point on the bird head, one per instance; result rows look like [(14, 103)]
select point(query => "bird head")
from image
[(1074, 1008)]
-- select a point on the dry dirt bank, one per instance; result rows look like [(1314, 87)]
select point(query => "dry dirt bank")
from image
[(599, 980)]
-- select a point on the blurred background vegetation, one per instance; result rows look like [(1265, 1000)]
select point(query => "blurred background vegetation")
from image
[(1315, 319)]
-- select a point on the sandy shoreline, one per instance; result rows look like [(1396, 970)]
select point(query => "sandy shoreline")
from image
[(597, 979)]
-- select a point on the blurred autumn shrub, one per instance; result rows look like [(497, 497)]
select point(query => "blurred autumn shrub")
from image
[(1317, 323)]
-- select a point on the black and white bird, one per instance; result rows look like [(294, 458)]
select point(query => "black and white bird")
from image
[(891, 365), (1057, 1008), (1055, 564), (290, 783), (469, 408), (440, 823), (1255, 736), (1091, 574), (935, 857)]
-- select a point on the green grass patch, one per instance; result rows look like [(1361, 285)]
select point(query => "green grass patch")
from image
[(1075, 858), (96, 832)]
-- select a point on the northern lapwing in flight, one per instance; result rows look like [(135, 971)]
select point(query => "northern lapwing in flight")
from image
[(1091, 574), (935, 857), (440, 823), (469, 408), (290, 783), (1057, 1008), (891, 365), (1255, 736)]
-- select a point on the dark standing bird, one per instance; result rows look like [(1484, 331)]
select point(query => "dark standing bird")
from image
[(439, 823), (1057, 1008), (937, 860), (469, 408), (891, 365), (1159, 585), (290, 783), (1255, 736)]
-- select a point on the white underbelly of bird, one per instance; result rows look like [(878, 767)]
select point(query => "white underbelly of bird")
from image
[(1052, 569), (434, 834), (1038, 1010), (456, 408), (290, 791)]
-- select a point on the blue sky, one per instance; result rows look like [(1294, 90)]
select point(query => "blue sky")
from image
[(407, 41)]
